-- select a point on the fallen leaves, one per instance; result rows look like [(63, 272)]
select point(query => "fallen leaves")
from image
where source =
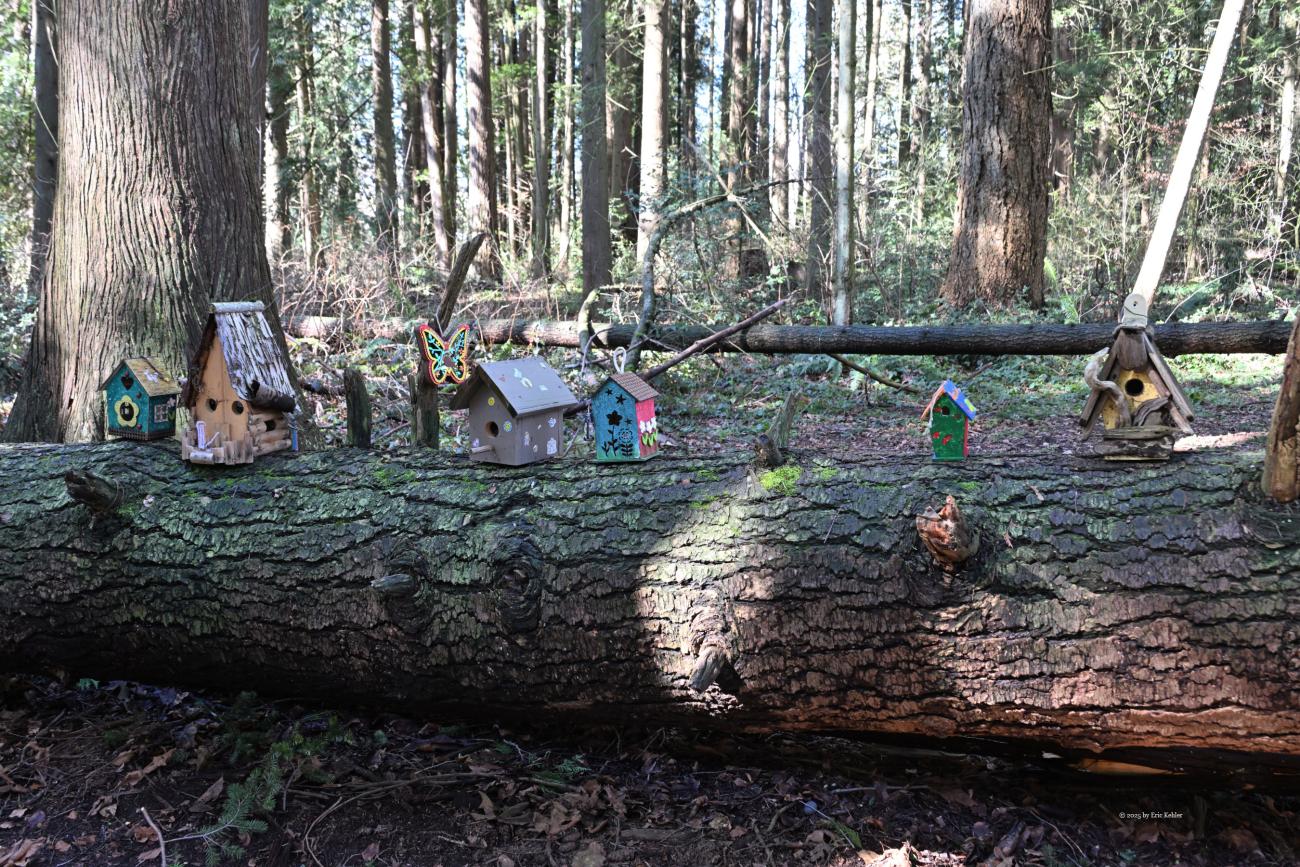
[(21, 853)]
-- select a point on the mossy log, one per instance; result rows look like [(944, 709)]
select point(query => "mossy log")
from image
[(1108, 607)]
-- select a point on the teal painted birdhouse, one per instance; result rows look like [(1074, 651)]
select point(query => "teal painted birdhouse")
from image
[(623, 417), (950, 415), (140, 400)]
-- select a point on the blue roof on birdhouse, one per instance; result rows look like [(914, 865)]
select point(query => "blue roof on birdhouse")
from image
[(958, 397)]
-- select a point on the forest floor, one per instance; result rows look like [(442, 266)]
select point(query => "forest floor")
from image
[(91, 773)]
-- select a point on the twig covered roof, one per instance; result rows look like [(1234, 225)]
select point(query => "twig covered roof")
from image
[(251, 352)]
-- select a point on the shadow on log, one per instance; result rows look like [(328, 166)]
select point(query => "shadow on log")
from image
[(1152, 608)]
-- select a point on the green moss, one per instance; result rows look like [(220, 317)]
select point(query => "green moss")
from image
[(707, 475), (969, 486), (781, 480), (824, 473)]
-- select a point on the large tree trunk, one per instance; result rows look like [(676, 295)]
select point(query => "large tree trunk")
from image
[(143, 240), (278, 180), (482, 204), (45, 169), (565, 109), (429, 49), (415, 167), (1144, 607), (541, 199), (1282, 461), (820, 166), (779, 145), (842, 309), (385, 152), (1000, 239), (596, 254), (654, 104), (309, 209)]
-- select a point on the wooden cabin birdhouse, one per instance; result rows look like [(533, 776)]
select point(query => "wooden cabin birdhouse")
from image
[(516, 411), (239, 393), (950, 415), (623, 417), (140, 400)]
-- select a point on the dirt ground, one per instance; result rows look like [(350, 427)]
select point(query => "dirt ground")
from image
[(91, 773)]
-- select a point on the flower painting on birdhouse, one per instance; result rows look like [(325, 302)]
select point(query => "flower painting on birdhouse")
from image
[(950, 415), (623, 417), (140, 400)]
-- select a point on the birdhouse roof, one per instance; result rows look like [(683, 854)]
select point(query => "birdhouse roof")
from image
[(527, 385), (634, 385), (956, 395), (251, 352), (150, 373)]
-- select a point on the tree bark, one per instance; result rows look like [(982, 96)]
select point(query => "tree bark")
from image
[(482, 204), (1152, 608), (1000, 239), (277, 180), (596, 254), (415, 167), (1288, 108), (842, 278), (690, 81), (143, 240), (308, 191), (45, 119), (919, 108), (779, 148), (1282, 452), (565, 107), (541, 201), (385, 152), (905, 87), (654, 104), (429, 50), (451, 139), (622, 120), (875, 26), (820, 162)]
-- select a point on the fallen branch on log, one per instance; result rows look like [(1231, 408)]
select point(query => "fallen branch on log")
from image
[(1153, 608), (1178, 338)]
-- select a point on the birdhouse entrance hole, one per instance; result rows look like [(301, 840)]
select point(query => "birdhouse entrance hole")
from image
[(212, 404), (127, 412), (943, 409), (492, 429), (1134, 387), (238, 407)]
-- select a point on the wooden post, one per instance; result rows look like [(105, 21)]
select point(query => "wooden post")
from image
[(358, 401), (1189, 153), (425, 421)]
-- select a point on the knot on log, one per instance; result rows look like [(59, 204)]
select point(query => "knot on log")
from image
[(519, 572), (947, 537), (398, 586), (96, 492)]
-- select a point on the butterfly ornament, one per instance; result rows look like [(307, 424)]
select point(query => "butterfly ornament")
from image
[(444, 360)]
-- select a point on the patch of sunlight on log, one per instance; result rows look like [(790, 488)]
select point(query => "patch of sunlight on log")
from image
[(1200, 443)]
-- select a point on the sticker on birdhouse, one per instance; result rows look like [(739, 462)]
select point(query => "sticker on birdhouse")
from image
[(444, 360), (949, 415)]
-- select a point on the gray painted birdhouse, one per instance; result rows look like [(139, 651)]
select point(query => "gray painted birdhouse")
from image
[(516, 411)]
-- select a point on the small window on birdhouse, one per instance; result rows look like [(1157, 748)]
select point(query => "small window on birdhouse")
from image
[(128, 382), (270, 424), (238, 407), (161, 414), (212, 404)]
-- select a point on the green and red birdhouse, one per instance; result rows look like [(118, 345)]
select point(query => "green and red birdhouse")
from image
[(950, 415)]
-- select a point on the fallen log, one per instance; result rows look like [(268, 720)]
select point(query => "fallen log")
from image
[(1149, 607), (1176, 338)]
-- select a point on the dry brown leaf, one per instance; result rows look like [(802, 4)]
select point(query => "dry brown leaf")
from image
[(203, 802), (62, 847), (900, 857), (21, 853), (371, 852), (1240, 839), (155, 763), (592, 856), (148, 855), (142, 833)]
